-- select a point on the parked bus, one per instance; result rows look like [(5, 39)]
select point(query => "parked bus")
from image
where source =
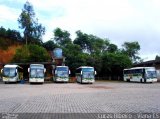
[(140, 74), (36, 73), (61, 74), (85, 74), (11, 73)]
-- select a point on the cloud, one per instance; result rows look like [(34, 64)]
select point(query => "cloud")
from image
[(8, 13), (8, 17), (118, 20)]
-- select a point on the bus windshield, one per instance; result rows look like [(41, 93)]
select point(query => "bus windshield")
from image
[(88, 74), (62, 71), (88, 69), (37, 73), (62, 68), (9, 72), (151, 74)]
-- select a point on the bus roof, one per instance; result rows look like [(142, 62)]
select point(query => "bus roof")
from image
[(61, 66), (11, 66), (36, 66), (85, 67), (138, 68)]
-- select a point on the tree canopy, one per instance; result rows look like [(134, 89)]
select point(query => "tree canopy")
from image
[(33, 31), (31, 53), (61, 37), (90, 50), (9, 37), (131, 49)]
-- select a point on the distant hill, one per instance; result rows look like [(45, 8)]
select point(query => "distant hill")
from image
[(7, 54)]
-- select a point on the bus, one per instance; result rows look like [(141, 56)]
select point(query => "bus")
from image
[(140, 74), (12, 73), (85, 74), (36, 73), (61, 74)]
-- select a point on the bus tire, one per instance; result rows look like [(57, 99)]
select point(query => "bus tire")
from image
[(144, 80), (141, 80)]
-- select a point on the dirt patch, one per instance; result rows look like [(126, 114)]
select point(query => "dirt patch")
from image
[(101, 87)]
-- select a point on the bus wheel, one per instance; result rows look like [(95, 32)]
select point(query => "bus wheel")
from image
[(128, 80), (141, 80), (144, 80)]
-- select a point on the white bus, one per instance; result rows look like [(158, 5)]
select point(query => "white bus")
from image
[(85, 74), (11, 73), (140, 74), (36, 73), (61, 74)]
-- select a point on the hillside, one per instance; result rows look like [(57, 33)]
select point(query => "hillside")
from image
[(7, 55)]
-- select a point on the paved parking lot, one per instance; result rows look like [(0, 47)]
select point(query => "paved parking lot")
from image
[(100, 97)]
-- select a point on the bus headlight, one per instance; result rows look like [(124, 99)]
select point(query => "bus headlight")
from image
[(5, 79)]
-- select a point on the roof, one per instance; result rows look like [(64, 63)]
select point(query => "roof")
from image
[(36, 66), (148, 63), (11, 66), (138, 68), (61, 66), (85, 67)]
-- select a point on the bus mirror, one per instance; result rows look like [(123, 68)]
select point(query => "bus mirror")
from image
[(69, 72), (95, 72), (55, 71), (28, 69), (1, 70), (44, 70), (16, 70), (81, 72)]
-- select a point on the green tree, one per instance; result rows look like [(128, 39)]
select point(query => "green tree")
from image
[(74, 57), (114, 63), (90, 43), (62, 37), (112, 48), (49, 45), (14, 35), (157, 58), (9, 37), (131, 49), (82, 41), (33, 31), (2, 32), (31, 53)]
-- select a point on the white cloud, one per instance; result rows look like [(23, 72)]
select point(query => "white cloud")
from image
[(8, 13), (118, 20)]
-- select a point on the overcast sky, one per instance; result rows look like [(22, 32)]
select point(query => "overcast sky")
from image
[(117, 20)]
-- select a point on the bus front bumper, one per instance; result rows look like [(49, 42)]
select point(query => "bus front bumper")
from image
[(88, 81), (62, 79), (36, 80), (8, 79), (151, 80)]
